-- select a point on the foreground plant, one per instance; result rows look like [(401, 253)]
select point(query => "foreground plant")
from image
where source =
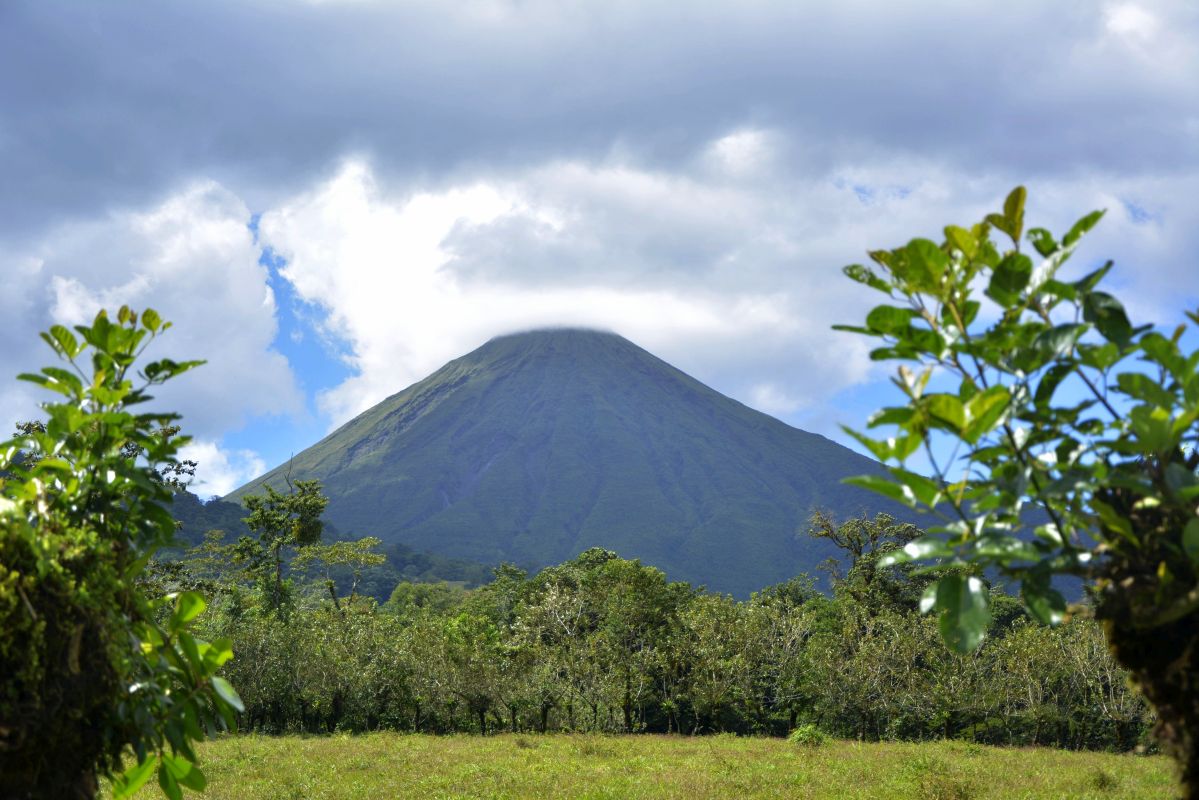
[(1045, 408), (95, 673)]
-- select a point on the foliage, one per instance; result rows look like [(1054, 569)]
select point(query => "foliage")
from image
[(603, 644), (95, 669), (280, 521), (401, 563), (355, 556), (1046, 405), (808, 735)]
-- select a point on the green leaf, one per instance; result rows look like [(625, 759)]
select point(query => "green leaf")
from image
[(947, 409), (1163, 351), (45, 382), (1107, 315), (1044, 603), (1005, 548), (1049, 534), (879, 449), (1087, 283), (925, 490), (151, 320), (963, 240), (1142, 387), (924, 548), (884, 487), (927, 262), (1049, 383), (168, 784), (1013, 212), (191, 720), (1153, 429), (1058, 289), (865, 275), (184, 772), (1009, 279), (219, 651), (227, 692), (1043, 241), (1113, 521), (1081, 227), (187, 643), (928, 598), (65, 340), (188, 606), (889, 319), (133, 778), (965, 611), (1101, 357), (1059, 340), (1182, 481), (1190, 540), (895, 415)]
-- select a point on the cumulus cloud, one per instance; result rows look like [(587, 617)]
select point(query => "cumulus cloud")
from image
[(192, 258), (129, 100), (737, 283), (434, 175), (382, 266), (220, 471)]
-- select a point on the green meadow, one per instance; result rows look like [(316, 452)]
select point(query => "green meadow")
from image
[(391, 765)]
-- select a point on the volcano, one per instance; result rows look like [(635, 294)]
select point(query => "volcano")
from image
[(539, 445)]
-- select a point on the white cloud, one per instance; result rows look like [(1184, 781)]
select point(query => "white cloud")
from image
[(741, 153), (219, 471), (770, 398), (194, 260), (1131, 21), (735, 282), (391, 272), (691, 180)]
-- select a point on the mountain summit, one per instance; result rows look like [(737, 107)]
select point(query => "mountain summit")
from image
[(539, 445)]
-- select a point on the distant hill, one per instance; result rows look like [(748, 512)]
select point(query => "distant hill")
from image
[(539, 445)]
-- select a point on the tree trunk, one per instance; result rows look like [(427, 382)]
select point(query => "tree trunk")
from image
[(1164, 662)]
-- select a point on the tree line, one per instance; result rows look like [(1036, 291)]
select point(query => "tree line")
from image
[(605, 644)]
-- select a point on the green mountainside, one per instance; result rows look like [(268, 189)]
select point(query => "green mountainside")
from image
[(539, 445)]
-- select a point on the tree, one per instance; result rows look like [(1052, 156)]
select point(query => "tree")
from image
[(95, 670), (1034, 414), (280, 521), (355, 556)]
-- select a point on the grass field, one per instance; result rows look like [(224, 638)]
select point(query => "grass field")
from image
[(388, 765)]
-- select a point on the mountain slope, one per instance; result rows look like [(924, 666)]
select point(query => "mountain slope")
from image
[(538, 445)]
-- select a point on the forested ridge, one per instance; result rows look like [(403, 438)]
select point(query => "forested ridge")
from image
[(601, 643)]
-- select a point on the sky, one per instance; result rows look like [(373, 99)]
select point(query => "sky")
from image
[(332, 199)]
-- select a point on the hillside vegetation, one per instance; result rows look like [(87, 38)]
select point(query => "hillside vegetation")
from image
[(199, 520), (604, 644)]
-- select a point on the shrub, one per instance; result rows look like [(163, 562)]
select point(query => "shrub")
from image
[(808, 735), (95, 670)]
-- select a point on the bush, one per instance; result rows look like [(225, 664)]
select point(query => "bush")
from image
[(808, 735), (96, 671)]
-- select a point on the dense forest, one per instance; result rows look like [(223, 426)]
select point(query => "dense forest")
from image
[(601, 643)]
